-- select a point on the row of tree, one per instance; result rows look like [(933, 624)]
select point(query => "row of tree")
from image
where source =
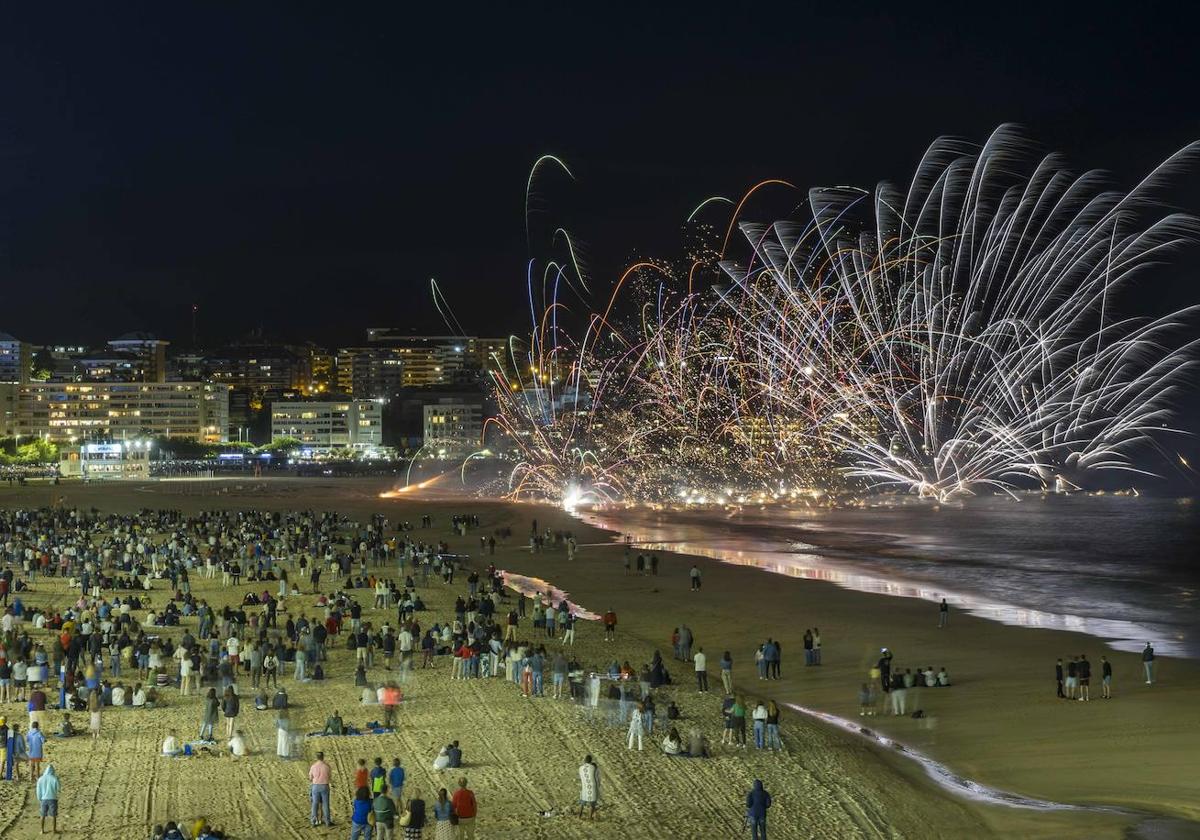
[(36, 451)]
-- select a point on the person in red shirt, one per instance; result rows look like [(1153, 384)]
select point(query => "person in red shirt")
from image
[(465, 809), (362, 776), (610, 625)]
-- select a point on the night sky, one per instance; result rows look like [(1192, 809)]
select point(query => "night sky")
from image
[(307, 170)]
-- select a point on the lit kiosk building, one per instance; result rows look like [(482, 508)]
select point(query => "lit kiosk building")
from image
[(106, 461)]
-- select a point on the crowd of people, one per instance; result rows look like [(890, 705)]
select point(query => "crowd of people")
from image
[(132, 633)]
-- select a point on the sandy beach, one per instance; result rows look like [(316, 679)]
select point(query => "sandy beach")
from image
[(999, 725)]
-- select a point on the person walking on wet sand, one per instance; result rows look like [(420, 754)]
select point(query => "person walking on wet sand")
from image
[(1148, 663), (943, 614), (695, 576), (1106, 677), (1058, 678)]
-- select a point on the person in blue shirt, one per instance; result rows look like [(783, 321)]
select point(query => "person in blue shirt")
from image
[(360, 827), (396, 779), (35, 740)]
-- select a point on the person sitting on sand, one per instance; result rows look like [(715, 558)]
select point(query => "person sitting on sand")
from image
[(454, 752), (170, 745), (334, 725), (66, 730), (671, 744), (260, 700), (943, 679), (697, 743), (237, 745), (442, 761)]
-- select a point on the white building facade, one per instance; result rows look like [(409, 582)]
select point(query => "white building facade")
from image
[(68, 411), (329, 424)]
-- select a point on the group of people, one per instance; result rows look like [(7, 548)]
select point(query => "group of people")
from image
[(382, 808), (1074, 680)]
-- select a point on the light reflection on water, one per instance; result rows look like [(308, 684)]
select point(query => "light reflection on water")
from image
[(802, 560)]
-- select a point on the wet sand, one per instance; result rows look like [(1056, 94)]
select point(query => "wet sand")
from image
[(999, 724)]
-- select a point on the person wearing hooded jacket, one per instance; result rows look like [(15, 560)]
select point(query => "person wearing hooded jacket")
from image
[(757, 803), (48, 788)]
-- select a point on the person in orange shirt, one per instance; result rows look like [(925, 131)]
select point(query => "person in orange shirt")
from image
[(362, 777), (465, 808)]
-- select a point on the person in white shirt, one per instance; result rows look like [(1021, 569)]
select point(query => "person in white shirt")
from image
[(139, 697), (760, 725), (118, 695), (442, 761), (237, 745), (185, 676), (701, 670), (170, 746)]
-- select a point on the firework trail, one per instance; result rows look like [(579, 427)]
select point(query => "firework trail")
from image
[(962, 338), (955, 337)]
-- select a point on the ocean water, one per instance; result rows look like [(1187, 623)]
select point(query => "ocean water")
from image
[(1124, 569)]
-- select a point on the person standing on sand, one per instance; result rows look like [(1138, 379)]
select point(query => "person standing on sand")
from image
[(738, 713), (757, 803), (1085, 677), (636, 728), (1148, 663), (589, 786), (610, 625), (1072, 677), (1058, 678), (212, 707), (943, 614), (465, 808), (695, 575), (48, 789), (727, 672), (884, 666), (808, 647), (94, 704), (1106, 677), (231, 707), (760, 725), (318, 779), (701, 662), (35, 740)]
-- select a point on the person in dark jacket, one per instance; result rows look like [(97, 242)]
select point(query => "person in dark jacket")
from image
[(757, 803)]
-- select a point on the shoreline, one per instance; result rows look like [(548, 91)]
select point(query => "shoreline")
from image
[(829, 557)]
